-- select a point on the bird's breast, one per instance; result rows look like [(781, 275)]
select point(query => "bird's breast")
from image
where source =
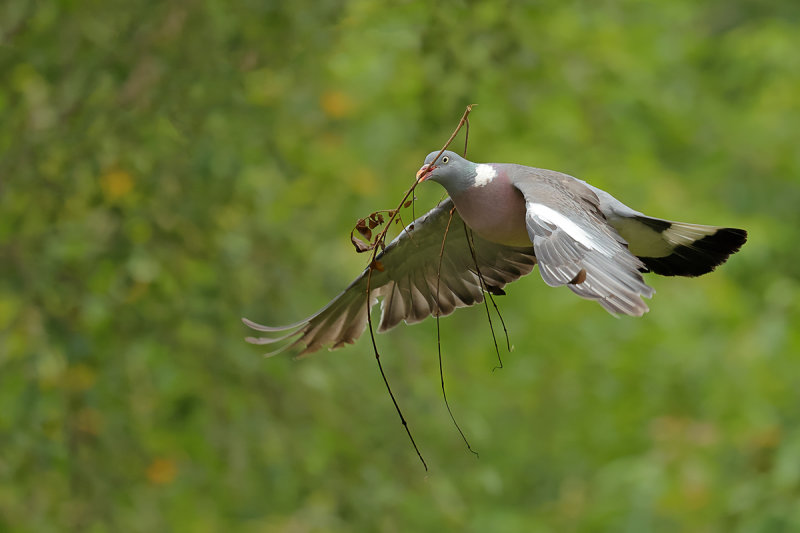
[(495, 211)]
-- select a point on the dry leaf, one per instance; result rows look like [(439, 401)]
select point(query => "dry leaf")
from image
[(363, 229), (377, 265), (408, 203), (360, 246)]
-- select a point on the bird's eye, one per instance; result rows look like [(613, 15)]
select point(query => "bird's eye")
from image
[(445, 160)]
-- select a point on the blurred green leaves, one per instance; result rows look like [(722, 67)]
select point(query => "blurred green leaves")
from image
[(166, 168)]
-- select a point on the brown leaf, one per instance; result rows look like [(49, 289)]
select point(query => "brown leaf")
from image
[(408, 203), (372, 223), (360, 246), (377, 265), (380, 218), (365, 231)]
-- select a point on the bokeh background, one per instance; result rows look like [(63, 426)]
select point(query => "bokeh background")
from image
[(168, 167)]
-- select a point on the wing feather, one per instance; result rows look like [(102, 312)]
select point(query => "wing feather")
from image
[(576, 246), (407, 286)]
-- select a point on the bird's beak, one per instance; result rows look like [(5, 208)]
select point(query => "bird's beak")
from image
[(424, 172)]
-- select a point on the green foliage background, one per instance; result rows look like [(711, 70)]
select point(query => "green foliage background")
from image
[(168, 167)]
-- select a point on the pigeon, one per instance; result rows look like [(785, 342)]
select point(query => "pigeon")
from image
[(519, 216)]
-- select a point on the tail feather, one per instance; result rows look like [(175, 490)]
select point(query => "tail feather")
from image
[(687, 249)]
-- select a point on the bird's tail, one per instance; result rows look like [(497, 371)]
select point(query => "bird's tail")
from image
[(680, 249)]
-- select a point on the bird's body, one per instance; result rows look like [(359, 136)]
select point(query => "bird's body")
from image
[(495, 210), (580, 236)]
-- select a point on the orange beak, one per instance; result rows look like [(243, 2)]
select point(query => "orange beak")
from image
[(424, 172)]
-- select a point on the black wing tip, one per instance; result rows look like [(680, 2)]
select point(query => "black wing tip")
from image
[(700, 257)]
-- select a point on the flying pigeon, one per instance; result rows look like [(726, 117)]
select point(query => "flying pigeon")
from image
[(579, 235)]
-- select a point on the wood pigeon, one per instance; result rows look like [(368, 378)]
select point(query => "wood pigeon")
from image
[(580, 236)]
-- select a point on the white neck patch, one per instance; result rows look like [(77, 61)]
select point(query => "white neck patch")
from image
[(484, 174)]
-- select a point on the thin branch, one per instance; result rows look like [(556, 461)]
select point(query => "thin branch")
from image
[(439, 336), (466, 138), (491, 296), (453, 136), (472, 251), (381, 236), (486, 304), (386, 381), (380, 243), (502, 322)]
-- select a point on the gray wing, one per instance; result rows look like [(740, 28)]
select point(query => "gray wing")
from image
[(408, 284), (576, 246)]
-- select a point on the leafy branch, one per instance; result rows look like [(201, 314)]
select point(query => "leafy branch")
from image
[(379, 242)]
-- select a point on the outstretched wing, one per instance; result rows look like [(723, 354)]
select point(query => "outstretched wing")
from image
[(575, 245), (408, 284)]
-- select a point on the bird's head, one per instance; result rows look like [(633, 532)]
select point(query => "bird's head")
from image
[(450, 170)]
